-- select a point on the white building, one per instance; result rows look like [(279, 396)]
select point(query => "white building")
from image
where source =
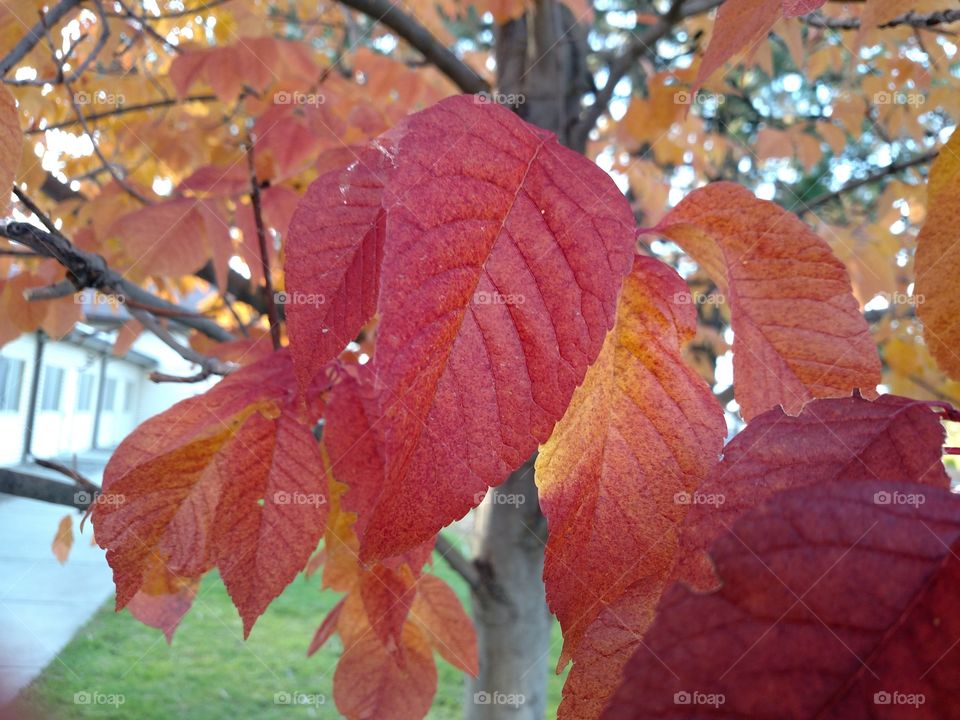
[(60, 397)]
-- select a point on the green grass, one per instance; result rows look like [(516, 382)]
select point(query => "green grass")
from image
[(210, 672)]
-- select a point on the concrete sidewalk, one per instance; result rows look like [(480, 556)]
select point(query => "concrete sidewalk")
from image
[(44, 603)]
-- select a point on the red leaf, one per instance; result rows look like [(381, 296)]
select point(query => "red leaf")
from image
[(371, 682), (503, 256), (437, 610), (848, 439), (387, 596), (332, 262), (740, 25), (798, 331), (796, 8), (642, 428), (326, 629), (833, 604), (231, 479), (164, 599)]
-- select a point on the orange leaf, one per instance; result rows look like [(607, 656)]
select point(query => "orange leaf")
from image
[(938, 260), (63, 540), (642, 430), (372, 682), (11, 146), (230, 479), (437, 610), (798, 331)]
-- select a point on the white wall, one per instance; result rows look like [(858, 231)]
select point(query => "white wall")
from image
[(69, 429)]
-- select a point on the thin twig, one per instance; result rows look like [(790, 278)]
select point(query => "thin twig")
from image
[(36, 34), (271, 298), (71, 473), (460, 564), (208, 365), (891, 169), (911, 19)]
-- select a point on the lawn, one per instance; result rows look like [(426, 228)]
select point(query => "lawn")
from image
[(210, 672)]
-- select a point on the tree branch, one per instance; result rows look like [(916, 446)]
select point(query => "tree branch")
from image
[(271, 297), (891, 169), (37, 487), (641, 43), (89, 270), (36, 34), (124, 110), (387, 13), (460, 564), (912, 19)]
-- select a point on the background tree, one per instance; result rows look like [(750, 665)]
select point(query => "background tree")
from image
[(166, 148)]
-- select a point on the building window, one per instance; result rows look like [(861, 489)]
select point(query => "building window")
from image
[(128, 397), (109, 394), (52, 388), (85, 393), (11, 373)]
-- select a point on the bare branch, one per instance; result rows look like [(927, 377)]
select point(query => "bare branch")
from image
[(209, 366), (124, 110), (271, 298), (911, 19), (887, 171), (388, 13), (640, 44), (89, 270), (36, 34), (460, 564), (71, 473), (37, 487)]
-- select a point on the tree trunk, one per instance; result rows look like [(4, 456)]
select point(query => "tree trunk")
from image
[(541, 73)]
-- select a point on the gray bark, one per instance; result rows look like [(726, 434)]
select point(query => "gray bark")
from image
[(541, 68)]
